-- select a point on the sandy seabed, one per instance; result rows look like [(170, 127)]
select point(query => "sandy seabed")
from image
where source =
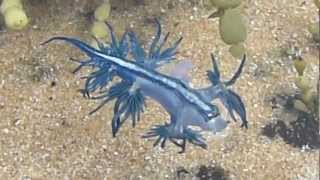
[(46, 132)]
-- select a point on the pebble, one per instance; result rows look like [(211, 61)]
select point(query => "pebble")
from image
[(35, 27), (6, 130), (26, 178)]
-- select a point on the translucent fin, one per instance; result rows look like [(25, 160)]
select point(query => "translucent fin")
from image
[(180, 70), (218, 124)]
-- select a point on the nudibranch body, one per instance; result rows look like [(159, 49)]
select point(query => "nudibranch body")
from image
[(140, 78)]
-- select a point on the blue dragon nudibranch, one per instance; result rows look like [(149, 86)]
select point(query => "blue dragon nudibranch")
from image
[(137, 70)]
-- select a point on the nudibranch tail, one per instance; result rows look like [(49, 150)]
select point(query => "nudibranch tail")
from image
[(79, 44)]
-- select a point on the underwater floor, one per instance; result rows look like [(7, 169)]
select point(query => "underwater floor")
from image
[(46, 131)]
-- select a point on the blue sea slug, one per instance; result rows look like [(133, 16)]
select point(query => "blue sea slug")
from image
[(140, 78)]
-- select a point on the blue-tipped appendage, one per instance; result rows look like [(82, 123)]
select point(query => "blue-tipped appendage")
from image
[(229, 98), (156, 55), (177, 137)]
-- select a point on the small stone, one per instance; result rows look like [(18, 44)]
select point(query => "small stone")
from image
[(26, 178), (6, 130)]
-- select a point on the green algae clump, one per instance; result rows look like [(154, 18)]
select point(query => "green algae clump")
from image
[(232, 27), (317, 2), (314, 29), (237, 50), (99, 30), (300, 66), (225, 4), (6, 4), (15, 18), (299, 105), (103, 11), (307, 98), (302, 83)]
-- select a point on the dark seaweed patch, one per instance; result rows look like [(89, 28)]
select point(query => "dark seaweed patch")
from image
[(212, 173), (297, 128), (182, 172), (203, 172), (300, 133)]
